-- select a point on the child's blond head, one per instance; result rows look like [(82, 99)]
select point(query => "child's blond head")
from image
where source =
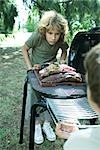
[(52, 19)]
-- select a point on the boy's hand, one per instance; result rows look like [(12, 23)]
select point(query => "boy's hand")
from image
[(64, 130), (61, 133)]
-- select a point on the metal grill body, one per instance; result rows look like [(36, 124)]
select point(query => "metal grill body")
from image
[(70, 110)]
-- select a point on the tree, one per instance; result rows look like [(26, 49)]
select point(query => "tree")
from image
[(7, 13), (81, 14)]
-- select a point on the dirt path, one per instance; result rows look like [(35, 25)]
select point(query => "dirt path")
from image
[(15, 40)]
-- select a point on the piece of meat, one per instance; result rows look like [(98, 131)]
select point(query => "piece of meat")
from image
[(66, 68), (55, 78), (55, 73), (51, 69), (61, 77), (56, 68), (73, 77)]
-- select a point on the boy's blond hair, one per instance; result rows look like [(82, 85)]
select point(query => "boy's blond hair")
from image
[(52, 19)]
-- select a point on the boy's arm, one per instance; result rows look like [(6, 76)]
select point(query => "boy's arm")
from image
[(65, 52), (63, 57), (25, 52)]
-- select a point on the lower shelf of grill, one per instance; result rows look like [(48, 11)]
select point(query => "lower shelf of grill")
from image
[(72, 110)]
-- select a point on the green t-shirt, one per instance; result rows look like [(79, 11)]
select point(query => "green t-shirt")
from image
[(42, 51)]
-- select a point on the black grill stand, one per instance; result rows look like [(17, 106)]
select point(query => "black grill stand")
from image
[(34, 107)]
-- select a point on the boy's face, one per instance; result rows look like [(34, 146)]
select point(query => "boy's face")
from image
[(52, 36)]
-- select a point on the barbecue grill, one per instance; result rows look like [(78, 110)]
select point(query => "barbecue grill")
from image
[(65, 102), (66, 99)]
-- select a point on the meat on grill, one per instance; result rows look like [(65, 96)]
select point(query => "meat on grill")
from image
[(55, 68), (62, 77)]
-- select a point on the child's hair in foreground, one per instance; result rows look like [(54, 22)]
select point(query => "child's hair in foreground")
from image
[(92, 66), (53, 20)]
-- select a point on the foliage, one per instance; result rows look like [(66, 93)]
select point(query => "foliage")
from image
[(81, 14), (7, 13), (32, 21), (36, 11)]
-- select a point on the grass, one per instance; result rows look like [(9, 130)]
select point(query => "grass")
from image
[(12, 75)]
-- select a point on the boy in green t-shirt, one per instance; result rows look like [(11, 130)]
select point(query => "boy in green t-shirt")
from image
[(44, 45)]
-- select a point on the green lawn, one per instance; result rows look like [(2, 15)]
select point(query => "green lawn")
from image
[(12, 75)]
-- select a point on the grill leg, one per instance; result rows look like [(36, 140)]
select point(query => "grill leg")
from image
[(92, 121), (32, 123), (23, 112), (32, 127)]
